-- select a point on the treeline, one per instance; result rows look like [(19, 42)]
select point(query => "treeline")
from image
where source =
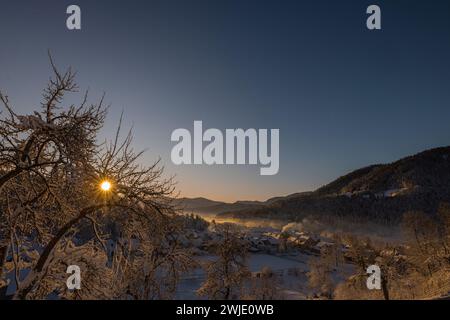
[(418, 269)]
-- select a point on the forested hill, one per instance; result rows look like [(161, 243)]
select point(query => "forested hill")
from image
[(380, 193)]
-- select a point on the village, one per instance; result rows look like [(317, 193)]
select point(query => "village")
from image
[(260, 240)]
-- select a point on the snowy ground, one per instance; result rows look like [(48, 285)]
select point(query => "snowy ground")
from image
[(279, 264)]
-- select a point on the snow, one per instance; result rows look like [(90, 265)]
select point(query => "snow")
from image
[(281, 265)]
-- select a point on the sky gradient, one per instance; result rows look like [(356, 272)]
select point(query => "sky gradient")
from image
[(342, 96)]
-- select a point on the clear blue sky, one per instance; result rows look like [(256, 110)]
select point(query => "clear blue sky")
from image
[(342, 96)]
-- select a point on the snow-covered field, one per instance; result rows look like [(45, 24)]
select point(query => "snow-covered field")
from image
[(281, 265)]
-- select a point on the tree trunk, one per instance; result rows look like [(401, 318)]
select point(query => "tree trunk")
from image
[(3, 255), (5, 178), (43, 259), (227, 293), (384, 286)]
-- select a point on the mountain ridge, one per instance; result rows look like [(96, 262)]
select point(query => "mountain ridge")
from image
[(381, 192)]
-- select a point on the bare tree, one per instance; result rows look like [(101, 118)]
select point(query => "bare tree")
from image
[(33, 147), (426, 243), (52, 168), (320, 273), (264, 286), (226, 275)]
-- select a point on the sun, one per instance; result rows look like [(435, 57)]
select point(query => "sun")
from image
[(105, 185)]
